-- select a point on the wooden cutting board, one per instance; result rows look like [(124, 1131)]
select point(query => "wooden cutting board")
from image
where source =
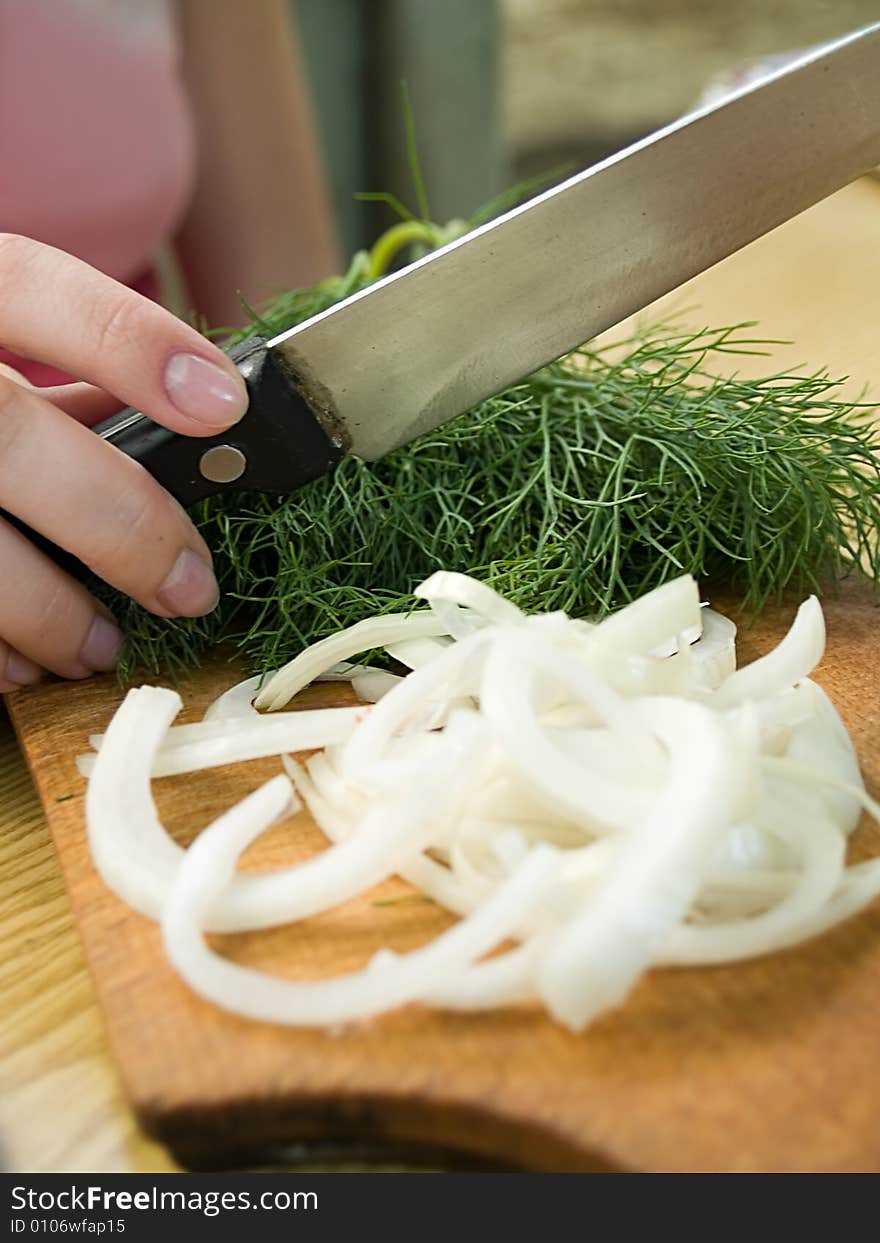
[(767, 1065)]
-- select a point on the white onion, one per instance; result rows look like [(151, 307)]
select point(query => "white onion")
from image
[(713, 655), (451, 673), (373, 684), (656, 875), (362, 637), (500, 981), (390, 981), (139, 860), (507, 700), (821, 745), (232, 740), (795, 657), (651, 621), (461, 604), (238, 701), (612, 796), (822, 849), (343, 671), (130, 849), (416, 652)]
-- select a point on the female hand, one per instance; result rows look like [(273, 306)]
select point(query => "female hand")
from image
[(76, 489)]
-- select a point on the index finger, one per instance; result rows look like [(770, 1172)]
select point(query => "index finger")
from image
[(59, 310)]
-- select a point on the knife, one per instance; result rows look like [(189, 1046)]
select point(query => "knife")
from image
[(430, 341)]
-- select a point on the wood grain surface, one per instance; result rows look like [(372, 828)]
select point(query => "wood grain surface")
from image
[(766, 1065), (62, 1107)]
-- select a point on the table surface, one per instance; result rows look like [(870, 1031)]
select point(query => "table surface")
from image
[(814, 281)]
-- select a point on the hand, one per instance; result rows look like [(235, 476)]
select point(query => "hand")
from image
[(75, 488)]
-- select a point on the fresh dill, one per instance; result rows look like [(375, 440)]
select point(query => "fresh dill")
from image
[(592, 481), (406, 899)]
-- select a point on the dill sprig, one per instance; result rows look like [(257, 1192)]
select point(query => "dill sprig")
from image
[(592, 481)]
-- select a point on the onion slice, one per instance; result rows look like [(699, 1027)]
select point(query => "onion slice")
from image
[(364, 636), (232, 740), (390, 981), (609, 796), (795, 657), (655, 877), (238, 701)]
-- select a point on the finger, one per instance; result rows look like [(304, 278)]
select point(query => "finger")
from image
[(16, 670), (11, 374), (65, 313), (83, 402), (49, 620), (83, 494)]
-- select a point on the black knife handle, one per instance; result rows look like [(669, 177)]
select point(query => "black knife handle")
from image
[(278, 446)]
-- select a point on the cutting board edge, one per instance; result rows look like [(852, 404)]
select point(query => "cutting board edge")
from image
[(397, 1121)]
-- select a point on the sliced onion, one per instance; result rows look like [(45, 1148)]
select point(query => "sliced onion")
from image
[(374, 684), (713, 655), (130, 849), (795, 657), (461, 604), (345, 671), (655, 878), (822, 849), (821, 745), (238, 701), (362, 637), (451, 673), (232, 740), (507, 700), (611, 796), (392, 981), (416, 652), (501, 981), (859, 887), (651, 621)]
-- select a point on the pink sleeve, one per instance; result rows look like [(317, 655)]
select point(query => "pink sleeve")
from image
[(96, 142)]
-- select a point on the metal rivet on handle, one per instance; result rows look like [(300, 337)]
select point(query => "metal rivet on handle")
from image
[(222, 464)]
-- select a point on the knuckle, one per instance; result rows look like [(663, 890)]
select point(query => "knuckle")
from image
[(115, 325), (50, 609), (137, 520), (54, 621), (16, 254), (9, 391), (12, 425), (45, 617)]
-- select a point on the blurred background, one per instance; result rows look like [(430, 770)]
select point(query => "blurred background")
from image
[(503, 90)]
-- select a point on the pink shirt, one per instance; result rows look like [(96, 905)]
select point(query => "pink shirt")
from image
[(96, 138)]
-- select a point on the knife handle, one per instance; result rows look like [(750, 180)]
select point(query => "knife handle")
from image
[(278, 446)]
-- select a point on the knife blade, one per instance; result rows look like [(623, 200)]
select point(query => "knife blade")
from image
[(429, 342)]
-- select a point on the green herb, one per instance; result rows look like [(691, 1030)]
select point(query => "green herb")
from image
[(594, 480), (407, 899)]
